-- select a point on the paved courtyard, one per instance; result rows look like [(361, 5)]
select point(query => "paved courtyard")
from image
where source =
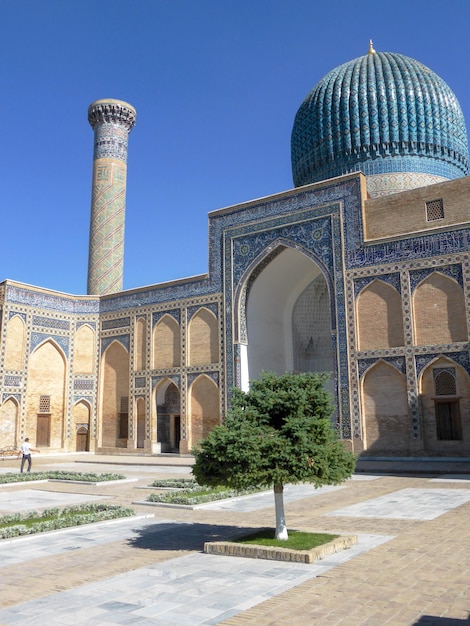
[(411, 564)]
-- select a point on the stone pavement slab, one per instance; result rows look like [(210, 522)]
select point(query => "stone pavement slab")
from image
[(193, 590), (40, 546), (266, 499), (36, 499), (149, 571), (419, 504)]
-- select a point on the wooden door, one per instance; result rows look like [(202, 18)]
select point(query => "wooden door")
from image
[(43, 434), (448, 420), (82, 440), (141, 431), (175, 432)]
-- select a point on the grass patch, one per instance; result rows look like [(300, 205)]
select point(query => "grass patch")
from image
[(33, 522), (297, 540), (88, 477)]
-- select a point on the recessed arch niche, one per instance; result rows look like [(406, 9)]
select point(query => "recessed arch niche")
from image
[(379, 317), (15, 343), (115, 395), (386, 422), (45, 396), (9, 423), (288, 316), (439, 311), (431, 397), (203, 408), (166, 343)]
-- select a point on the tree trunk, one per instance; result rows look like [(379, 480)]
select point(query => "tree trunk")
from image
[(281, 528)]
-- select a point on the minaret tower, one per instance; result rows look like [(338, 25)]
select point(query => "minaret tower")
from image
[(111, 120)]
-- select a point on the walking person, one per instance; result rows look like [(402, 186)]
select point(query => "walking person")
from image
[(25, 450)]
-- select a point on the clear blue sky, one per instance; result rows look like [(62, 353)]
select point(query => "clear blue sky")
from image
[(216, 85)]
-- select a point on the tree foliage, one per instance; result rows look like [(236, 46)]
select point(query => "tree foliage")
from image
[(277, 433)]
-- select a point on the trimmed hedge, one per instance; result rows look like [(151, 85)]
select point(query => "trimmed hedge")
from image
[(199, 495), (30, 523), (175, 483)]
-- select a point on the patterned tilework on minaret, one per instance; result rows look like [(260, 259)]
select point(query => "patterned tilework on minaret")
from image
[(111, 120)]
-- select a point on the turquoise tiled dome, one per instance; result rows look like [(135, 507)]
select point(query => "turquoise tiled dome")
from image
[(381, 113)]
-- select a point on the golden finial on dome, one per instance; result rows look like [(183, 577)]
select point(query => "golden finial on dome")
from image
[(371, 47)]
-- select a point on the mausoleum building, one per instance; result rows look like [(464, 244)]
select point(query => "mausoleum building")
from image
[(361, 270)]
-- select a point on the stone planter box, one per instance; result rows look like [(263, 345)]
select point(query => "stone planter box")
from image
[(228, 548)]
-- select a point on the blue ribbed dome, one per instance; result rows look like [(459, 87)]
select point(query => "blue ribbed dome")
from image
[(380, 113)]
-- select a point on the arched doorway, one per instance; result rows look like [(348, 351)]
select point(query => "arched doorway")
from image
[(288, 317), (168, 416), (82, 439), (81, 416)]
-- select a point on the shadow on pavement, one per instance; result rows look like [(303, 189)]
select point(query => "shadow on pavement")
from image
[(180, 536), (433, 620)]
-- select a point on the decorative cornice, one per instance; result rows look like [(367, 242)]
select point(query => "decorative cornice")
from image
[(110, 111)]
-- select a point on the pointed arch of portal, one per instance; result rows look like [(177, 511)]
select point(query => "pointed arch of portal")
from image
[(285, 313)]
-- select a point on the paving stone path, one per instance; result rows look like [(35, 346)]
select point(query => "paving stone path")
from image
[(410, 566)]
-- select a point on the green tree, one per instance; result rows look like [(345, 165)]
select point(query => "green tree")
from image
[(279, 432)]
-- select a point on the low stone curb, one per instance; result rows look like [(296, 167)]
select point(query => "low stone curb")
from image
[(164, 504), (228, 548), (98, 483), (25, 482)]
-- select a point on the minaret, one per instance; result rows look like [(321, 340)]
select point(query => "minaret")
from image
[(111, 120)]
